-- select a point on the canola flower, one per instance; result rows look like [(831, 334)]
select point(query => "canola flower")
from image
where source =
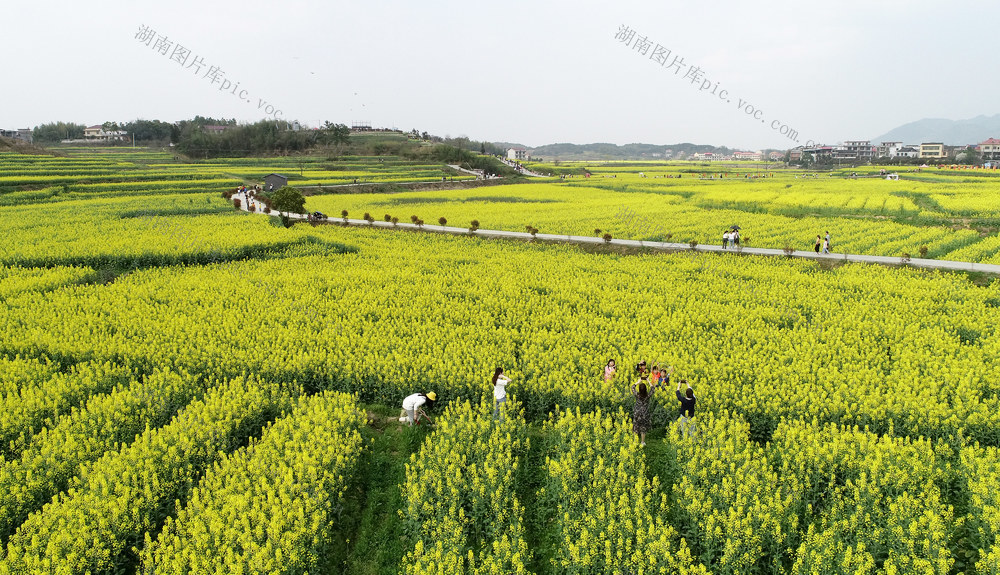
[(18, 372), (858, 345), (726, 505), (886, 379), (31, 407), (15, 280), (139, 232), (55, 455), (609, 515), (267, 507), (980, 467), (814, 499), (783, 213), (113, 501), (460, 494)]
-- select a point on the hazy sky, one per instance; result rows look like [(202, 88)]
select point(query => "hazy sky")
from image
[(529, 72)]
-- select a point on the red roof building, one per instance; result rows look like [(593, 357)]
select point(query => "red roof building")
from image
[(990, 149)]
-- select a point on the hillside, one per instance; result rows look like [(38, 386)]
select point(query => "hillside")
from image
[(950, 132)]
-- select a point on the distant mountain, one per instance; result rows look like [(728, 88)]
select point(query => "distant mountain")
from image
[(603, 151), (950, 132)]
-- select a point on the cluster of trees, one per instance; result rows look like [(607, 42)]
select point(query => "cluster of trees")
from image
[(264, 137), (279, 137), (145, 131), (483, 147), (57, 131), (191, 137), (286, 200)]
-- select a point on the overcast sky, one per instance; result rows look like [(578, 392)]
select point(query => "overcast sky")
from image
[(527, 72)]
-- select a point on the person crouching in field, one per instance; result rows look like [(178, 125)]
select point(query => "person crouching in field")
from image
[(687, 400), (412, 407)]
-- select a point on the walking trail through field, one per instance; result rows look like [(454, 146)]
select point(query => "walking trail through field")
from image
[(668, 246)]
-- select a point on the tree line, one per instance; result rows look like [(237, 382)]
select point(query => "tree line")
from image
[(264, 137), (198, 138), (192, 136)]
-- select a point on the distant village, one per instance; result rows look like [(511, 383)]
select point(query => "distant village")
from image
[(863, 151), (856, 151)]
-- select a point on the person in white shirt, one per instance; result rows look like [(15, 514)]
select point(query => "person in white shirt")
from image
[(725, 239), (500, 382), (412, 407)]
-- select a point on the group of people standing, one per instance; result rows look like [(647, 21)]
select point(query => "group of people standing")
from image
[(823, 242), (731, 237), (646, 384)]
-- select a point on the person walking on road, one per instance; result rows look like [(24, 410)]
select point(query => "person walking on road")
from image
[(725, 239), (500, 382), (819, 242), (826, 246)]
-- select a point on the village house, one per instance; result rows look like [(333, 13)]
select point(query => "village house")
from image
[(517, 154), (932, 150), (274, 182), (888, 149), (97, 133), (21, 134), (990, 149)]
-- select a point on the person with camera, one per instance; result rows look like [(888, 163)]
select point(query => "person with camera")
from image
[(642, 391), (688, 401), (500, 382)]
